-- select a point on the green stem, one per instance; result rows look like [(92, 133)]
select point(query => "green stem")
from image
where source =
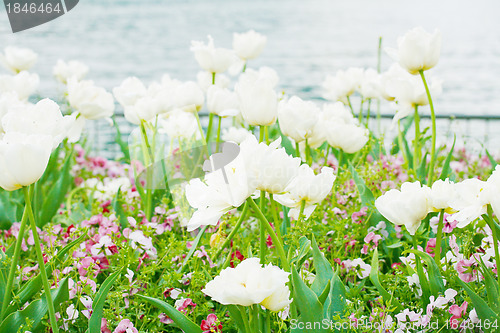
[(327, 150), (213, 78), (276, 242), (266, 131), (261, 134), (218, 133), (209, 128), (233, 232), (350, 105), (149, 164), (416, 146), (200, 128), (368, 112), (255, 322), (491, 224), (244, 318), (301, 213), (360, 115), (433, 117), (297, 150), (437, 249), (277, 221), (401, 144), (41, 264), (308, 153), (13, 265), (263, 245)]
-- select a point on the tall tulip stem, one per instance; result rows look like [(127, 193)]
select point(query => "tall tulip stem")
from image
[(13, 266), (233, 232), (149, 164), (209, 128), (263, 245), (433, 117), (491, 223), (437, 249), (218, 132), (416, 145), (41, 263), (276, 241)]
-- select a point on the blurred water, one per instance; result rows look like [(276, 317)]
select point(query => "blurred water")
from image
[(306, 40)]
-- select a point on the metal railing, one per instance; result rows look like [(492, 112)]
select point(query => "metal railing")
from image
[(477, 131)]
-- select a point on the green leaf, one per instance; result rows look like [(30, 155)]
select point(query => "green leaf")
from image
[(98, 303), (446, 167), (436, 283), (35, 311), (492, 160), (406, 126), (303, 252), (8, 210), (376, 282), (55, 197), (118, 208), (236, 316), (484, 312), (308, 304), (123, 145), (33, 286), (336, 301), (178, 317), (491, 287), (194, 246), (324, 271)]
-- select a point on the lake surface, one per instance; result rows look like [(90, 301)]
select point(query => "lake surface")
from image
[(306, 41)]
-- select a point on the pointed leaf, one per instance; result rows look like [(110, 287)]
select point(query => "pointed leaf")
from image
[(98, 303), (484, 312), (178, 317), (446, 167), (324, 271), (376, 282)]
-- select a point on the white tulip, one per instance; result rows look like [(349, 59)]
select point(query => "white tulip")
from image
[(8, 101), (213, 197), (144, 109), (236, 135), (90, 101), (210, 58), (370, 84), (18, 59), (249, 283), (408, 206), (343, 84), (63, 71), (23, 84), (491, 193), (43, 118), (347, 136), (257, 99), (188, 95), (180, 124), (130, 90), (306, 187), (269, 168), (23, 159), (222, 102), (409, 92), (417, 50), (297, 118), (442, 193), (248, 45), (469, 201), (394, 73)]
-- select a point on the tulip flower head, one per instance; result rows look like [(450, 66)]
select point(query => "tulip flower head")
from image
[(18, 59), (417, 50), (63, 71), (251, 283), (408, 206), (210, 58), (248, 45)]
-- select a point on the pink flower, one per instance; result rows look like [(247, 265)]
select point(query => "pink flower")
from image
[(211, 324), (431, 245), (457, 313), (125, 326), (465, 269)]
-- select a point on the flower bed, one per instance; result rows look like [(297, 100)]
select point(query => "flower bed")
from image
[(295, 218)]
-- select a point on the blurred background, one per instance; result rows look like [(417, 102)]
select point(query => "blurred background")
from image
[(306, 41)]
